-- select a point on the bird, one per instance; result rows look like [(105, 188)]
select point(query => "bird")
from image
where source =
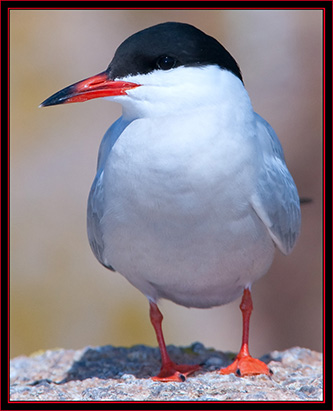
[(192, 194)]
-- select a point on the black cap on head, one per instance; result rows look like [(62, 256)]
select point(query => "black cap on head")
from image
[(166, 46)]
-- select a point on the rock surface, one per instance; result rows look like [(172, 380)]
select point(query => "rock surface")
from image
[(122, 374)]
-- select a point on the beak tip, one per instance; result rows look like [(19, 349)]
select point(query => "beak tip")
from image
[(54, 100), (45, 103)]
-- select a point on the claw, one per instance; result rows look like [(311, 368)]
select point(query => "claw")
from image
[(175, 372)]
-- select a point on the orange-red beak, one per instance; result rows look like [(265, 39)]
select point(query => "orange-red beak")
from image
[(92, 87)]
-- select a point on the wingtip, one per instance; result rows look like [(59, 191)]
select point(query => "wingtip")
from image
[(305, 200)]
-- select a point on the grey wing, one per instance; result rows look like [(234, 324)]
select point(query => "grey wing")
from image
[(276, 199), (94, 215), (96, 202)]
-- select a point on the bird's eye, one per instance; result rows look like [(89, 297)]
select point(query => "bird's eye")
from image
[(165, 63)]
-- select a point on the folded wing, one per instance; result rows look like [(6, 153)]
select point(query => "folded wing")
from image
[(276, 199)]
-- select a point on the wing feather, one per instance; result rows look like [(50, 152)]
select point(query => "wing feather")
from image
[(96, 203), (276, 199), (94, 215)]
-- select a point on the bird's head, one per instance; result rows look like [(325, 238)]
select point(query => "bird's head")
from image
[(165, 67)]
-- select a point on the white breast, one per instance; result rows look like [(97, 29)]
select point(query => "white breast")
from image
[(174, 212)]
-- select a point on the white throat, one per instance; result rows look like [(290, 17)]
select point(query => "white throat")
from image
[(181, 90)]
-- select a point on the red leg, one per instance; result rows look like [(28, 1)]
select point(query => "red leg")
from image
[(244, 364), (170, 371)]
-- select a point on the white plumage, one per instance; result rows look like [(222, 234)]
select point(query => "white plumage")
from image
[(192, 190)]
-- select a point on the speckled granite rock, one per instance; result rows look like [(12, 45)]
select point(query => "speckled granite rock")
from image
[(122, 374)]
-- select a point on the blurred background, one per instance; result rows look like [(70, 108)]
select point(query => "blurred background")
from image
[(60, 295)]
